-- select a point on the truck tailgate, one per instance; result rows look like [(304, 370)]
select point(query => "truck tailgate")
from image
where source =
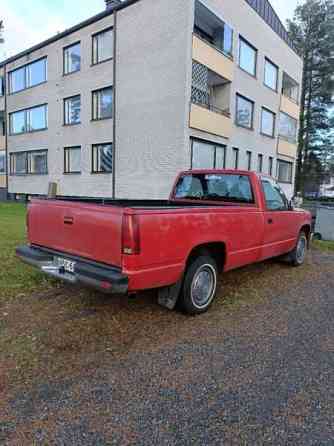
[(86, 230)]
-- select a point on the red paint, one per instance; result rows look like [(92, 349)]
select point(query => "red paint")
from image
[(152, 245)]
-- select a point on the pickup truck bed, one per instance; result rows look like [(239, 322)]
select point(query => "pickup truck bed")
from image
[(132, 245)]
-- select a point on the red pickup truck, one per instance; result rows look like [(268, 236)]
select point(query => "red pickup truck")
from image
[(214, 221)]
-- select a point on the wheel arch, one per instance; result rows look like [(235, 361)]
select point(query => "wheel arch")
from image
[(216, 250)]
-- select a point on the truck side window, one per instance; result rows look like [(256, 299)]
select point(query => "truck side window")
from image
[(275, 199)]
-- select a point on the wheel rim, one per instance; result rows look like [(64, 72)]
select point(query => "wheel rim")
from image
[(301, 250), (203, 286)]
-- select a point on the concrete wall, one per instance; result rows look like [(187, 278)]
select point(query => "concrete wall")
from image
[(57, 136), (153, 75)]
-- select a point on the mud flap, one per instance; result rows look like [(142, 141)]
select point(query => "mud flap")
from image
[(168, 296)]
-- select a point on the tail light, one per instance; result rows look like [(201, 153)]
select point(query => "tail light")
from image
[(130, 235)]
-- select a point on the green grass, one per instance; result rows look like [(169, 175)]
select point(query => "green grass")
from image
[(324, 246), (15, 277)]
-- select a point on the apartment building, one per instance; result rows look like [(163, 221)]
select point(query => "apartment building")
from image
[(118, 105)]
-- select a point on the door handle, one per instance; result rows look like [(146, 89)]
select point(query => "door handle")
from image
[(68, 220), (270, 221)]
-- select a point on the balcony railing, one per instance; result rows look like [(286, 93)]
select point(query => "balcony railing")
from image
[(212, 107)]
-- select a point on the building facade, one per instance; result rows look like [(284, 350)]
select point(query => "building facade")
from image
[(118, 105)]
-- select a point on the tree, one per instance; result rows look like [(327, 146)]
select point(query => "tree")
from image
[(312, 30), (2, 40)]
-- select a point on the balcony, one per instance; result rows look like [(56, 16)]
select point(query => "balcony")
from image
[(206, 120), (290, 107), (287, 148), (216, 61), (210, 102), (213, 42), (2, 141)]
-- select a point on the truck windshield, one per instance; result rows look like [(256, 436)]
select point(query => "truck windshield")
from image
[(215, 187)]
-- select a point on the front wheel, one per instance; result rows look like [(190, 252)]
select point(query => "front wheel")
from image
[(298, 255), (199, 286)]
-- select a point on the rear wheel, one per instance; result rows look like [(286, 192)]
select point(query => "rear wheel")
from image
[(298, 255), (199, 286)]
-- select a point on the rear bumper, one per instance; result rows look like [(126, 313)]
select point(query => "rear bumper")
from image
[(101, 277)]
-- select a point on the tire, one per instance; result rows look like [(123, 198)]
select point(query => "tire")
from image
[(199, 285), (298, 255)]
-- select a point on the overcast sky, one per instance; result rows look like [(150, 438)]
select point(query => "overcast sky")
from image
[(30, 22)]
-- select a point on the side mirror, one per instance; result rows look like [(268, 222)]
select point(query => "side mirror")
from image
[(291, 204)]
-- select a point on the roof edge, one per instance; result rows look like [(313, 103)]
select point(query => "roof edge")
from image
[(68, 31)]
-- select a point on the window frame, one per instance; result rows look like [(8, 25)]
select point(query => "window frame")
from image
[(92, 99), (100, 172), (267, 60), (4, 154), (27, 153), (65, 48), (27, 119), (236, 153), (69, 124), (249, 155), (215, 146), (271, 166), (272, 183), (267, 110), (67, 161), (291, 166), (287, 138), (110, 28), (256, 51), (260, 160), (240, 96), (25, 68)]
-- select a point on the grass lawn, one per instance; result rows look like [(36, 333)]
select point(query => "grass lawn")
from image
[(323, 245), (15, 277)]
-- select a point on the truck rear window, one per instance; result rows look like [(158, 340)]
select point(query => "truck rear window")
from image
[(215, 187)]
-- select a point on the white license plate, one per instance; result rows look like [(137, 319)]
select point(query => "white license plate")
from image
[(68, 265)]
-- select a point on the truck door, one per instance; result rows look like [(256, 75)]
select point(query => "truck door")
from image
[(280, 223)]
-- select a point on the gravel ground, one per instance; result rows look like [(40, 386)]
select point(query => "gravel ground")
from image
[(257, 369)]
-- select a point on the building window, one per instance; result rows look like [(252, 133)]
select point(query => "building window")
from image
[(247, 57), (32, 162), (72, 159), (102, 158), (271, 165), (260, 163), (284, 171), (29, 120), (38, 162), (221, 37), (249, 160), (103, 46), (103, 103), (245, 112), (268, 119), (2, 162), (2, 123), (72, 110), (28, 76), (271, 75), (235, 158), (2, 86), (207, 155), (290, 88), (288, 127), (72, 58)]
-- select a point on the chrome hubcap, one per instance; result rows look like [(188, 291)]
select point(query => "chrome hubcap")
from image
[(301, 250), (204, 286)]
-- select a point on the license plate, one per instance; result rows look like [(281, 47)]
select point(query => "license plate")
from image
[(68, 265)]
